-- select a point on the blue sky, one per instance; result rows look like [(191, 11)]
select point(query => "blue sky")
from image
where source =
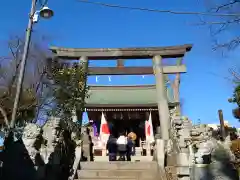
[(203, 88)]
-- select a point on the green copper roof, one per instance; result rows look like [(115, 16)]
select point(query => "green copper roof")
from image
[(123, 96)]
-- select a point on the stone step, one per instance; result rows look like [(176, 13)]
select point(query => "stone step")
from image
[(118, 179), (106, 179), (118, 165), (116, 174), (133, 158)]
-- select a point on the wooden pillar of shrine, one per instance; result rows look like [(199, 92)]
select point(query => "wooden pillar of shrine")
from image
[(163, 109)]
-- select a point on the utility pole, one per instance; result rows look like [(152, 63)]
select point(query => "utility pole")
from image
[(222, 127), (45, 12), (23, 63)]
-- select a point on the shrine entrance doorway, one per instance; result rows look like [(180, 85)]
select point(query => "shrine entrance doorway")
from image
[(126, 122), (118, 126)]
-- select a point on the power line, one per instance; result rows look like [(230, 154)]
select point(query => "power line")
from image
[(157, 10), (220, 76)]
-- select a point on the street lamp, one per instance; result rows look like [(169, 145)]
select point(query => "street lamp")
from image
[(46, 13)]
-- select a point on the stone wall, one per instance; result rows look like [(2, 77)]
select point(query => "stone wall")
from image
[(46, 153), (196, 154), (178, 154)]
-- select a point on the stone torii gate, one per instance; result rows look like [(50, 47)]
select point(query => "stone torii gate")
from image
[(120, 54)]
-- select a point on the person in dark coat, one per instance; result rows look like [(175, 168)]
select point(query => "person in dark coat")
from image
[(130, 146), (2, 138), (112, 148), (87, 146)]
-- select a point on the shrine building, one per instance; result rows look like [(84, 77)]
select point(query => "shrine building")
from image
[(126, 108)]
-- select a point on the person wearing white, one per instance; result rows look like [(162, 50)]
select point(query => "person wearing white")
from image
[(122, 146)]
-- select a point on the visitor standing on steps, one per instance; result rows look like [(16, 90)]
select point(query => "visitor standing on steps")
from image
[(132, 136), (2, 137), (112, 148), (122, 146), (130, 146), (87, 146)]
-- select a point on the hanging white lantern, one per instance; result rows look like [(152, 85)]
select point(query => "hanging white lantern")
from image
[(109, 78)]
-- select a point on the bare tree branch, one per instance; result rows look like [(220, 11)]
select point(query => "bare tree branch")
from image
[(235, 74), (226, 16), (220, 26), (225, 5), (229, 45), (33, 79), (4, 114)]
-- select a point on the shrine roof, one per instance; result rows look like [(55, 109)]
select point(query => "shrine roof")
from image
[(124, 96)]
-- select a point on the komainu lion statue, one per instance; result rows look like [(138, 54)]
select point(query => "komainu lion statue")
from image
[(29, 137)]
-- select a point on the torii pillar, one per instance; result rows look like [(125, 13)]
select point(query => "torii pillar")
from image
[(162, 101), (83, 61)]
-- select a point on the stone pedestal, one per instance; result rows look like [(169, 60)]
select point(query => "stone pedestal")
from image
[(104, 152), (201, 172), (148, 149), (183, 164), (160, 154), (158, 133)]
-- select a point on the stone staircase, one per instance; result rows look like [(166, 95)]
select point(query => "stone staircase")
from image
[(119, 171)]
